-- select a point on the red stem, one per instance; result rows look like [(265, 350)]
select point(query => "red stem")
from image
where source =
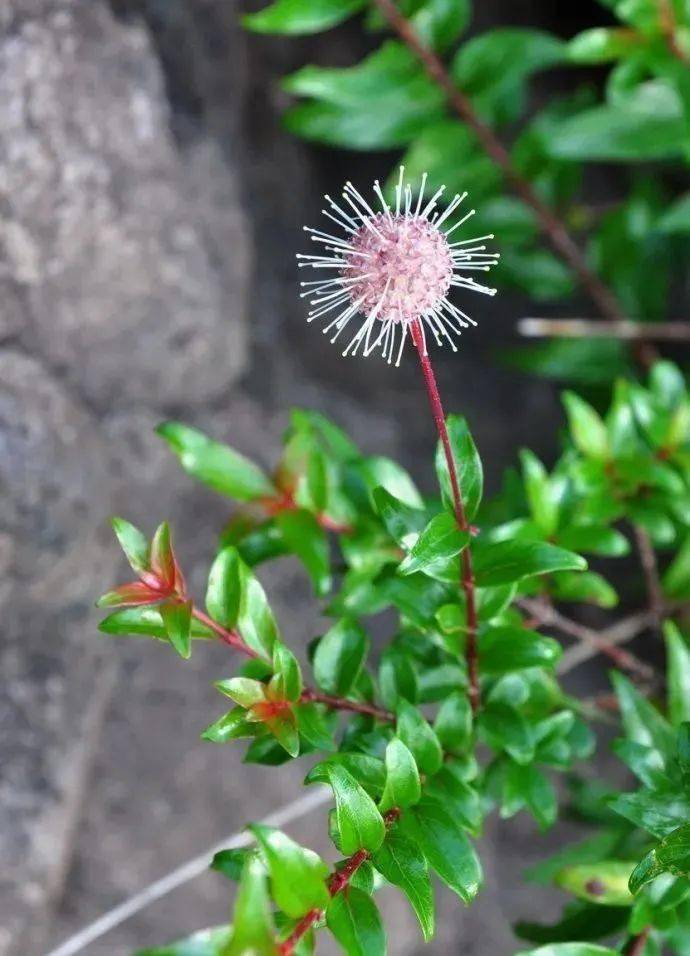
[(467, 577), (342, 703), (233, 639), (337, 882), (637, 945)]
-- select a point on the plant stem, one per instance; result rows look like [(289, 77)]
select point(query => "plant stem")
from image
[(341, 703), (234, 639), (597, 641), (467, 576), (650, 569), (636, 945), (337, 882), (625, 329), (551, 226)]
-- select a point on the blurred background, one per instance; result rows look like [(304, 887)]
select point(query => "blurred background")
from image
[(150, 209)]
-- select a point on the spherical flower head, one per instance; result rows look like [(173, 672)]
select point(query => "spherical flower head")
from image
[(395, 268)]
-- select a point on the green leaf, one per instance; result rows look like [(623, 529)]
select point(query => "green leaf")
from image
[(493, 67), (503, 649), (147, 622), (397, 678), (402, 522), (403, 787), (252, 924), (586, 427), (402, 863), (676, 580), (416, 733), (223, 591), (162, 559), (440, 22), (468, 467), (340, 656), (354, 920), (648, 125), (296, 17), (641, 720), (298, 876), (587, 361), (672, 855), (676, 219), (449, 153), (177, 618), (382, 102), (359, 823), (659, 813), (678, 656), (445, 846), (453, 724), (216, 465), (602, 44), (287, 679), (503, 562), (594, 539), (504, 728), (527, 786), (133, 543), (207, 942), (380, 472), (230, 726), (314, 726), (605, 882), (583, 921), (230, 862), (308, 540), (461, 800), (368, 771), (255, 620), (543, 503), (244, 691), (439, 541)]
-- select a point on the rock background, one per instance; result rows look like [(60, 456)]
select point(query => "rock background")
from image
[(150, 208)]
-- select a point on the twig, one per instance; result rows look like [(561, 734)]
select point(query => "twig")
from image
[(234, 639), (337, 882), (650, 569), (636, 946), (668, 27), (183, 874), (623, 329), (552, 227), (598, 642), (467, 576), (619, 633)]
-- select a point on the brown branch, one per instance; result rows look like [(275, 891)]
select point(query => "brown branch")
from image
[(467, 576), (342, 703), (619, 633), (624, 329), (598, 642), (636, 946), (550, 224), (337, 882), (667, 19), (650, 569)]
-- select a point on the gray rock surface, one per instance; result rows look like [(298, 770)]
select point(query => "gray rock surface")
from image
[(123, 269)]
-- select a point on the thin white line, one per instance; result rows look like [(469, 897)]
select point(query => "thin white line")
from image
[(286, 814)]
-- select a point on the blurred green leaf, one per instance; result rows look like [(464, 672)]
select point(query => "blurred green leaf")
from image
[(296, 17), (339, 657), (307, 539), (298, 876), (216, 465)]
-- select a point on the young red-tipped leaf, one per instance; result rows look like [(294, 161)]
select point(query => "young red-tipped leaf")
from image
[(133, 594), (162, 558)]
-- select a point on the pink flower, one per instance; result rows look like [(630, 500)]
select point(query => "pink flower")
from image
[(393, 268)]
